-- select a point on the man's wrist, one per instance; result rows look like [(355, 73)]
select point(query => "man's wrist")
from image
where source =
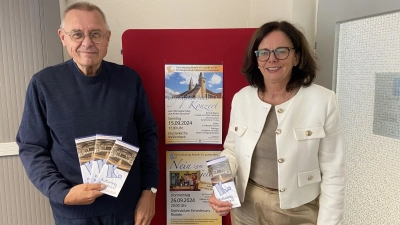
[(151, 189)]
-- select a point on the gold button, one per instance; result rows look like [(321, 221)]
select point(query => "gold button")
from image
[(281, 160), (282, 190), (310, 177), (308, 133), (278, 131), (280, 110), (236, 128)]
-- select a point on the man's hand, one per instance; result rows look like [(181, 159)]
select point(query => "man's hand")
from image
[(222, 208), (83, 194), (145, 208)]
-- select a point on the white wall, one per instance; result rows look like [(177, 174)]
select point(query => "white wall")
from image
[(185, 14), (304, 14), (350, 36)]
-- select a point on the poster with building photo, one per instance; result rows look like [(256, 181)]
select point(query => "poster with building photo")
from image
[(189, 187), (193, 104)]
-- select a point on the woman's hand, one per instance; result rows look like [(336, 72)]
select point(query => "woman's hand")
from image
[(222, 208)]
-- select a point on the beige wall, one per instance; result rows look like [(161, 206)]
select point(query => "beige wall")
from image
[(20, 202), (28, 43), (186, 14)]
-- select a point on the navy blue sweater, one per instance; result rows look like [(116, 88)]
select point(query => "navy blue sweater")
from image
[(62, 104)]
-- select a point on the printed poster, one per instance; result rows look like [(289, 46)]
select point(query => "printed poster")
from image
[(386, 120), (193, 104), (189, 188)]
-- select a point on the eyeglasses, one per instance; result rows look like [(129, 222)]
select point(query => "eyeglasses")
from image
[(78, 36), (280, 53)]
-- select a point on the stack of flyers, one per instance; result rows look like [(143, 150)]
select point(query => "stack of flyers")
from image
[(104, 144), (222, 181), (85, 147), (117, 167)]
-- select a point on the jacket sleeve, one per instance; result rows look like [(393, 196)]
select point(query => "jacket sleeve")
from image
[(34, 142), (148, 138), (332, 168), (229, 144)]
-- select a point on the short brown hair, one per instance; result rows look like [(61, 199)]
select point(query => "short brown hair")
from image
[(302, 74), (86, 6)]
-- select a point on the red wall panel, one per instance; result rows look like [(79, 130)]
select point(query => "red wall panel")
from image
[(147, 52)]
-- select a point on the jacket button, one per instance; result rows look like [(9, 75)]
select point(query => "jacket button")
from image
[(278, 131), (282, 190), (280, 110), (236, 128), (310, 177), (308, 133), (281, 160)]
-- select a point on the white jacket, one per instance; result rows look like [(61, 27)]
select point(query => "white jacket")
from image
[(309, 147)]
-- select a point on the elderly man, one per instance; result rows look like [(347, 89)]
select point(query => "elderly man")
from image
[(84, 96)]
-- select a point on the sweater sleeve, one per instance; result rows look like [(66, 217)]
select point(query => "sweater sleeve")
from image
[(148, 138), (34, 143)]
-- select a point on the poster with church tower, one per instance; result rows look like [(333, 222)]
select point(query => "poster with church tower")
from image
[(193, 104)]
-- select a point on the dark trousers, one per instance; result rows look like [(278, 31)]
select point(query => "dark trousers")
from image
[(111, 219)]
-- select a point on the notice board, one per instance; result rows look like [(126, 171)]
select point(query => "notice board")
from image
[(148, 50)]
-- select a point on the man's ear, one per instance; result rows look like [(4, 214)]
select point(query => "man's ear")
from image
[(62, 35), (109, 35)]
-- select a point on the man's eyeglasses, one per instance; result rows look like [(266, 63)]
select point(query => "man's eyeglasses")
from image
[(78, 36), (280, 53)]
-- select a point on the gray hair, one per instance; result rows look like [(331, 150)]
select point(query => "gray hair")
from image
[(86, 6)]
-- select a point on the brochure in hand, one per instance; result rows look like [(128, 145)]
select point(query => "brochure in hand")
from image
[(222, 180), (104, 144), (117, 167), (85, 147)]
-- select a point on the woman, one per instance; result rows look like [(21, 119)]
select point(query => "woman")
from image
[(284, 142)]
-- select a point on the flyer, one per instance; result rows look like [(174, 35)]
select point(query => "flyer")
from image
[(85, 147), (116, 170), (222, 181), (193, 104), (104, 144), (189, 188)]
